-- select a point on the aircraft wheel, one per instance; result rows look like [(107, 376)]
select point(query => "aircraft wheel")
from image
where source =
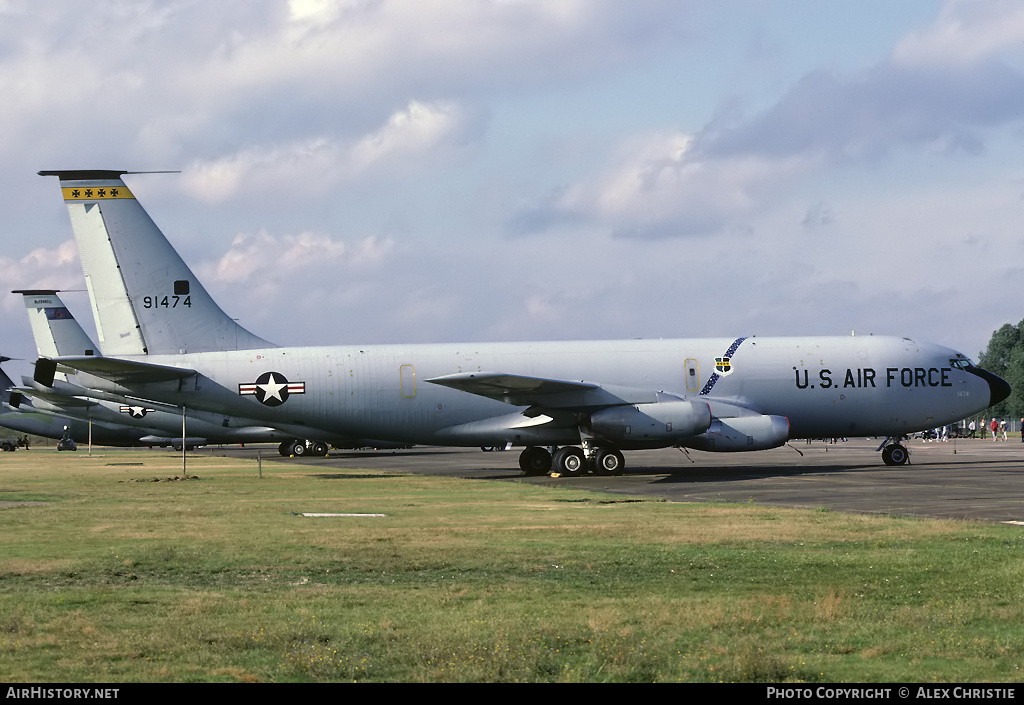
[(319, 448), (535, 461), (898, 454), (569, 461), (895, 454), (285, 449), (298, 448), (609, 462)]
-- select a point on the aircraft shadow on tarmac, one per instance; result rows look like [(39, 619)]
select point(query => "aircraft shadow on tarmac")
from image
[(355, 455), (706, 474)]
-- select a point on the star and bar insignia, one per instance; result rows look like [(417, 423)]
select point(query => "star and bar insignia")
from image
[(272, 388), (136, 412)]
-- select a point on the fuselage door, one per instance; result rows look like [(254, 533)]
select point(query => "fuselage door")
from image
[(408, 374), (692, 375)]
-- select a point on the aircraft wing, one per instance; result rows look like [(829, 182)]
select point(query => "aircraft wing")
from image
[(114, 369), (57, 399), (540, 392), (503, 386)]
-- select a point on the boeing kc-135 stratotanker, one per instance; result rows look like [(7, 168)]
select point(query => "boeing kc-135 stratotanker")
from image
[(163, 338)]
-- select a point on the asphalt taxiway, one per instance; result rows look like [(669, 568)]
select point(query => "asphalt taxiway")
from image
[(966, 479)]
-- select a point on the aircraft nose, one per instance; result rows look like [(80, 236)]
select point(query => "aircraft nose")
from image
[(998, 387)]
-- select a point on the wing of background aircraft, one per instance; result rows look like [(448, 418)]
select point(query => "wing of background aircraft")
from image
[(117, 370)]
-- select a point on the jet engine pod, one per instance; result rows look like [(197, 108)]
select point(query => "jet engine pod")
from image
[(742, 433), (651, 425)]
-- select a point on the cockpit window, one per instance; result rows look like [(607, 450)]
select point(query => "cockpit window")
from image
[(960, 362)]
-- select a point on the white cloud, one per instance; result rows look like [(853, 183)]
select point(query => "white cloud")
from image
[(966, 32), (262, 258), (419, 129), (662, 187), (416, 137), (264, 167), (42, 268)]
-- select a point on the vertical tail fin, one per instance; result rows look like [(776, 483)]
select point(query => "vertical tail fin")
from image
[(5, 382), (55, 330), (145, 298)]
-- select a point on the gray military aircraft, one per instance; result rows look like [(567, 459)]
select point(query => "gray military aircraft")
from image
[(164, 338), (29, 416), (57, 333)]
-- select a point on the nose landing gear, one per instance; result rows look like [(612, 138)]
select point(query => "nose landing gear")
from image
[(894, 452)]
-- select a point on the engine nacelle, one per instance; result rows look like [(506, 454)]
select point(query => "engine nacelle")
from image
[(651, 425), (742, 433)]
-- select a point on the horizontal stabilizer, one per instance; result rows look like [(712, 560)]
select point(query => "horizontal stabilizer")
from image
[(116, 369)]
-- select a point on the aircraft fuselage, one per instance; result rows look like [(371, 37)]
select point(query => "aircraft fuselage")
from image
[(824, 386)]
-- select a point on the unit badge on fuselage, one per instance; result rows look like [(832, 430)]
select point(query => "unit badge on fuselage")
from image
[(723, 365), (272, 388)]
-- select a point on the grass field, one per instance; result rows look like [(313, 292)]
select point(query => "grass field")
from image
[(109, 576)]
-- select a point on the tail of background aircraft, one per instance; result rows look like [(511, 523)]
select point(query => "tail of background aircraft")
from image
[(55, 330), (156, 305), (7, 394), (6, 382)]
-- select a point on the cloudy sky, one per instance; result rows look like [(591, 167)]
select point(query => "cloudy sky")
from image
[(366, 171)]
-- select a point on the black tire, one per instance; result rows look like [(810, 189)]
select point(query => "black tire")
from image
[(609, 462), (319, 449), (535, 461), (298, 449), (569, 461), (285, 449), (898, 454)]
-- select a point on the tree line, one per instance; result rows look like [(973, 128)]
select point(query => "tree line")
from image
[(1004, 356)]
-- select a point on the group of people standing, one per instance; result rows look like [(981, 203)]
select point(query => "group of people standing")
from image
[(996, 426)]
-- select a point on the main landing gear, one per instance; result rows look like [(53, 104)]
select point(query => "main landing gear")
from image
[(299, 447), (571, 461), (894, 452)]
